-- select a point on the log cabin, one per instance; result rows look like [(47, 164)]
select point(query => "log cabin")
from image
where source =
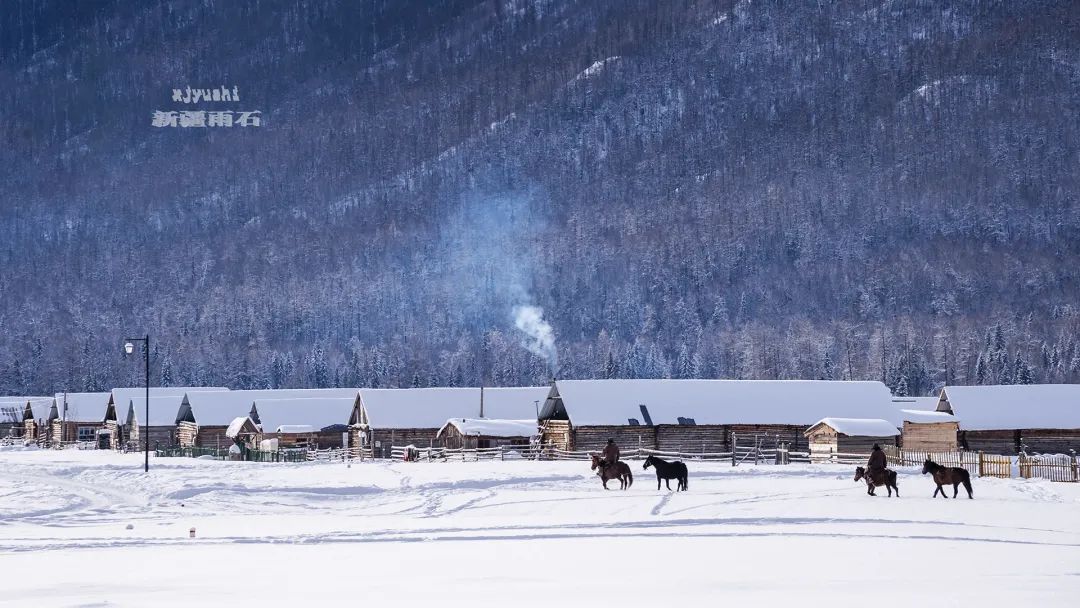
[(414, 416), (315, 423), (204, 416), (127, 407), (831, 436), (929, 431), (484, 433), (78, 417), (1003, 419), (695, 416)]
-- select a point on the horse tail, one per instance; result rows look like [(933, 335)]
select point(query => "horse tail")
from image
[(966, 480), (629, 477)]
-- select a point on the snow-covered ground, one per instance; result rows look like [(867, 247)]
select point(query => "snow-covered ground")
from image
[(91, 529)]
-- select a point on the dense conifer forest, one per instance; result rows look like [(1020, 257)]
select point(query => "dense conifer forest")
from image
[(459, 192)]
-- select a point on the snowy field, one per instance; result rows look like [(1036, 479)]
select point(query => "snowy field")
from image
[(91, 529)]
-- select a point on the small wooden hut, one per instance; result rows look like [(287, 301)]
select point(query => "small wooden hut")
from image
[(831, 436), (929, 431), (483, 433), (1003, 419)]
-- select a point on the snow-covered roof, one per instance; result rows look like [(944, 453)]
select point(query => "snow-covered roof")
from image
[(82, 407), (859, 427), (924, 416), (491, 427), (927, 404), (512, 402), (237, 426), (122, 398), (219, 408), (1014, 406), (13, 409), (294, 428), (417, 408), (803, 402), (317, 413)]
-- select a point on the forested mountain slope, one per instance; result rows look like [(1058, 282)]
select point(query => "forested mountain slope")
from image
[(690, 189)]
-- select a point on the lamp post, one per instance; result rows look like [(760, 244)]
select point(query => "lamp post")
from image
[(129, 348)]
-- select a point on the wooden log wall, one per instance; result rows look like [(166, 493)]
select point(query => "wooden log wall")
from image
[(160, 436), (862, 445), (991, 442), (789, 433), (421, 438), (930, 436), (711, 438), (594, 438), (1050, 441)]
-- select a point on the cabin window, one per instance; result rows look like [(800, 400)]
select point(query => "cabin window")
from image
[(86, 433)]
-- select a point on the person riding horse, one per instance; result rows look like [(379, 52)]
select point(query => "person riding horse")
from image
[(610, 454), (877, 464)]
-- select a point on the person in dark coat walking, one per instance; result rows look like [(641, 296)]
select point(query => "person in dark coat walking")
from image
[(610, 454)]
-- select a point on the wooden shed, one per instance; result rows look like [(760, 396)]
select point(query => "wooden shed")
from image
[(696, 416), (1002, 419), (414, 416), (831, 436), (929, 431), (483, 433), (205, 416)]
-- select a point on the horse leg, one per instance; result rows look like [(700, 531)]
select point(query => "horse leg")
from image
[(955, 489), (604, 479), (667, 482), (937, 490), (658, 482)]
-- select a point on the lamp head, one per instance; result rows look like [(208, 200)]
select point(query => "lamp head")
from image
[(129, 348)]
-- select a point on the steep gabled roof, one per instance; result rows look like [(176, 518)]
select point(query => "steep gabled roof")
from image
[(317, 413), (1014, 406), (803, 402), (13, 409)]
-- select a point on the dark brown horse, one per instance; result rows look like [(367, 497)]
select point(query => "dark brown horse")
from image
[(667, 471), (948, 475), (619, 471), (885, 478)]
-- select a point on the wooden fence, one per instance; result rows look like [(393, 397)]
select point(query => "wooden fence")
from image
[(978, 464), (1055, 467)]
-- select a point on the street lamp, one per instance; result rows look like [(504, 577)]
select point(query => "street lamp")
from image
[(129, 348)]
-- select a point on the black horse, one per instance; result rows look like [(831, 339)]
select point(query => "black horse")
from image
[(669, 470), (948, 475)]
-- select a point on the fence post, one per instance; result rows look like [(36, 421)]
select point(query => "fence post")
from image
[(980, 463), (734, 448), (1075, 466)]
